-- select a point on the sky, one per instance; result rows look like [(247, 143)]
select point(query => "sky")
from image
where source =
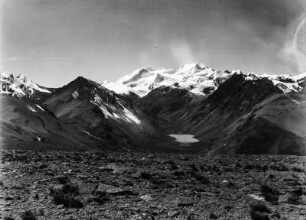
[(54, 41)]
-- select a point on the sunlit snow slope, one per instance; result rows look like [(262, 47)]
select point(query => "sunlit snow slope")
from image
[(196, 78)]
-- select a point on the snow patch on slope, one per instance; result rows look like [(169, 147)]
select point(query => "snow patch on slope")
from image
[(31, 108), (38, 106), (35, 108), (129, 116), (89, 134), (115, 113), (75, 95), (99, 102)]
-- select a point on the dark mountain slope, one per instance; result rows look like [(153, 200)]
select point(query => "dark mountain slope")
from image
[(163, 102), (241, 117), (277, 126), (27, 125), (100, 112)]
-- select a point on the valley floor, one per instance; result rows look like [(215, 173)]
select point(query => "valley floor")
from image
[(95, 185)]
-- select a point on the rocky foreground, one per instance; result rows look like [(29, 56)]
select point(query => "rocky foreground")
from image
[(91, 185)]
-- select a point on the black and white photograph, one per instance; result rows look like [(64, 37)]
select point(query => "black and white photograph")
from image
[(153, 109)]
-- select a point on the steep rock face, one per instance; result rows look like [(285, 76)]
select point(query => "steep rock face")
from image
[(239, 94), (238, 118), (99, 112)]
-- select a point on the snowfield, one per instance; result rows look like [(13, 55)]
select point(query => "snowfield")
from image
[(18, 85), (197, 78)]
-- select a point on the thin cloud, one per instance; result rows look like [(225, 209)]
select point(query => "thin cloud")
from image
[(295, 47), (181, 51), (15, 58)]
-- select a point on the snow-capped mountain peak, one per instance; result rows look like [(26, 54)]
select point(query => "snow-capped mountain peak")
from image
[(18, 85), (193, 77), (197, 78)]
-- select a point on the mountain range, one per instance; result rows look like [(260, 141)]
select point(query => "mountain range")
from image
[(227, 111)]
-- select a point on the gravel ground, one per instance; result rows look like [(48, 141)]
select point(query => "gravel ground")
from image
[(95, 185)]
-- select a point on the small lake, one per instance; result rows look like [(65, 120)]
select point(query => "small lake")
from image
[(184, 139)]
